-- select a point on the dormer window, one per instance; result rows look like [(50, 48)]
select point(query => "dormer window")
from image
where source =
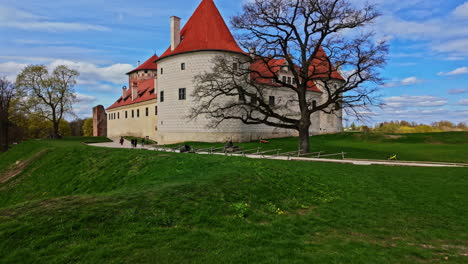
[(284, 79)]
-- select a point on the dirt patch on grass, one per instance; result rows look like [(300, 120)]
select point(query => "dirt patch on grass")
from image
[(20, 166)]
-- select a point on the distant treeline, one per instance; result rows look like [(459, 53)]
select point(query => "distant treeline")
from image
[(410, 127), (24, 127)]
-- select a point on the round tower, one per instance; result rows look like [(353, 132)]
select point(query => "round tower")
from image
[(192, 51)]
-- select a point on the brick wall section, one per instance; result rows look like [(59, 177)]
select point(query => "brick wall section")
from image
[(99, 121)]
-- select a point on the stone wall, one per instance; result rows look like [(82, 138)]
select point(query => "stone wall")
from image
[(99, 121)]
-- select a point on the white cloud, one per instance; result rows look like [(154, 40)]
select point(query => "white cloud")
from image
[(458, 71), (406, 101), (91, 72), (11, 69), (83, 98), (458, 91), (462, 10), (404, 82), (19, 19), (463, 102)]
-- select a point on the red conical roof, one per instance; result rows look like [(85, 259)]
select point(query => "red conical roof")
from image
[(205, 30), (149, 64)]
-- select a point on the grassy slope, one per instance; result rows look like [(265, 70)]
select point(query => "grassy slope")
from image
[(443, 147), (85, 204)]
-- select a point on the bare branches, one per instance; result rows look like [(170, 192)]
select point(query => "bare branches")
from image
[(309, 54)]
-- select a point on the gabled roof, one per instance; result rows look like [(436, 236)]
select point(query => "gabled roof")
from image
[(146, 92), (205, 30), (149, 64)]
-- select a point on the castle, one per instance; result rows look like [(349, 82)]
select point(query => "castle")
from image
[(158, 98)]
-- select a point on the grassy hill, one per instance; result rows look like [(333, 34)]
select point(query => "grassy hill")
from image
[(71, 203)]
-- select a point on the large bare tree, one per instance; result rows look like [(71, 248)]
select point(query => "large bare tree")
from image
[(321, 44), (7, 95), (48, 95)]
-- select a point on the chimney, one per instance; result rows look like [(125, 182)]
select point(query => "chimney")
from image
[(175, 32), (134, 90), (124, 91), (252, 52)]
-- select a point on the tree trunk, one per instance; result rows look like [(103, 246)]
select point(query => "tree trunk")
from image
[(3, 133), (304, 143), (55, 133)]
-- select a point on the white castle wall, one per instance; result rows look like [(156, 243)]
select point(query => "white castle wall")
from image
[(173, 122)]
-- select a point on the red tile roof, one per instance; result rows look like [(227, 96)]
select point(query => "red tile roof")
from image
[(149, 64), (146, 92), (265, 68), (205, 30)]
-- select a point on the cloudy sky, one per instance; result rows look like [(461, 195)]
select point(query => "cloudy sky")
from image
[(427, 73)]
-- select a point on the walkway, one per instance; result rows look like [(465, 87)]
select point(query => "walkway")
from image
[(127, 145)]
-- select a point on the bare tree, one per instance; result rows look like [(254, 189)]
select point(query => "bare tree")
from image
[(48, 96), (321, 44), (7, 95)]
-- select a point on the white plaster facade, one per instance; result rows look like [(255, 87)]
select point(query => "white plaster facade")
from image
[(174, 125), (131, 120)]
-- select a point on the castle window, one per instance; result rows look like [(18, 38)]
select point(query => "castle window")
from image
[(284, 79), (156, 110), (182, 66), (235, 66), (133, 113), (289, 80), (253, 100), (126, 114), (161, 96), (118, 115), (146, 71), (272, 101), (182, 94), (162, 71), (147, 111), (138, 112)]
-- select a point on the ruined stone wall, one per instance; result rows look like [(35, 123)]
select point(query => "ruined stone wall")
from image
[(99, 121)]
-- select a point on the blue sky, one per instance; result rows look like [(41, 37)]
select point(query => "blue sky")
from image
[(427, 71)]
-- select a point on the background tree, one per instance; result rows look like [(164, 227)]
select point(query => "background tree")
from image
[(88, 127), (311, 37), (8, 93), (48, 95), (77, 127)]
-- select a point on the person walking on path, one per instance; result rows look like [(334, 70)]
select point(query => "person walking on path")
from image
[(121, 141), (142, 142)]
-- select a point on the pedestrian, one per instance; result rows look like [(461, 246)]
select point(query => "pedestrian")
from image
[(142, 142), (121, 141), (133, 143)]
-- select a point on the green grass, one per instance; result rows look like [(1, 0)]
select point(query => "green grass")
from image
[(435, 147), (81, 204)]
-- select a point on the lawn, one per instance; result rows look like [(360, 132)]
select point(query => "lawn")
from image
[(435, 147), (81, 204)]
